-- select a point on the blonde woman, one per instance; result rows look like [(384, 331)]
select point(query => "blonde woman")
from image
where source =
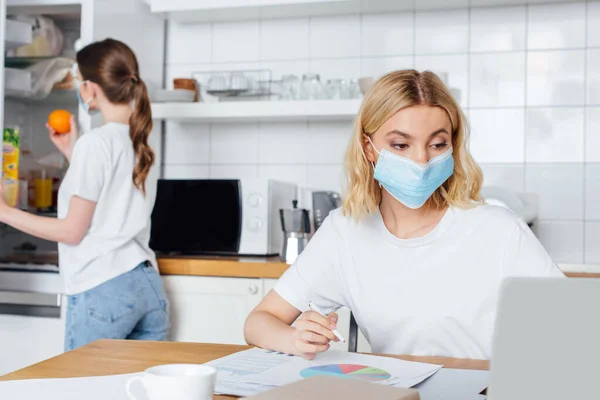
[(413, 252)]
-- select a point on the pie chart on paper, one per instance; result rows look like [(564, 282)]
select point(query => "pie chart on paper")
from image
[(347, 371)]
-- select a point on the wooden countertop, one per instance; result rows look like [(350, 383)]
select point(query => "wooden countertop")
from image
[(269, 268), (111, 357), (235, 267)]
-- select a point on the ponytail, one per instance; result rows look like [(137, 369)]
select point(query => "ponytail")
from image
[(140, 126), (112, 65)]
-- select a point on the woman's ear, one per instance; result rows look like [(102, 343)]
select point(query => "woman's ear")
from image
[(94, 90), (95, 94), (368, 149)]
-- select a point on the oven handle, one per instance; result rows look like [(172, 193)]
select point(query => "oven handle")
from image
[(30, 299)]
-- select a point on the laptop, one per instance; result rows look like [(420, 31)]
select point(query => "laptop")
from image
[(547, 340)]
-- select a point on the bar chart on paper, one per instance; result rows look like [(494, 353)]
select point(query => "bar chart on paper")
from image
[(348, 371)]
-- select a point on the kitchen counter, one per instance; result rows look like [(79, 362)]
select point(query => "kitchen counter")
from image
[(273, 268), (235, 267)]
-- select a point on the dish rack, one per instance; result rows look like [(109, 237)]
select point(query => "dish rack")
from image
[(236, 85)]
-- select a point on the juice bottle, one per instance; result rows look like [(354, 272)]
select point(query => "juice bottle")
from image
[(10, 165)]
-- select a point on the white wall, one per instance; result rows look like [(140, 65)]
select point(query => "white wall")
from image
[(530, 82)]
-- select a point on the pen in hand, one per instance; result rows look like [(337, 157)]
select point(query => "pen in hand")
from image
[(316, 309)]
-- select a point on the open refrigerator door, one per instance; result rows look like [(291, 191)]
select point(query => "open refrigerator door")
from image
[(38, 46)]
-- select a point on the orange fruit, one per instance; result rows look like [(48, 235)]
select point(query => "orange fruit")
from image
[(60, 121)]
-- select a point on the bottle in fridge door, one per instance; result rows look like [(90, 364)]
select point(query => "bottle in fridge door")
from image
[(10, 165)]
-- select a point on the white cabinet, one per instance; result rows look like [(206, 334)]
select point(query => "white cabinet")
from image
[(268, 285), (229, 10), (224, 10), (27, 340), (209, 309)]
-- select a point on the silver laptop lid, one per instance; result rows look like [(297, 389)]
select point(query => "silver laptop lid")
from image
[(547, 340)]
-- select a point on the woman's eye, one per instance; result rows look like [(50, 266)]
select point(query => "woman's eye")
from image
[(400, 146), (440, 146)]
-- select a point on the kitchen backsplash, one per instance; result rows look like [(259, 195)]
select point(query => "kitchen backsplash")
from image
[(529, 78)]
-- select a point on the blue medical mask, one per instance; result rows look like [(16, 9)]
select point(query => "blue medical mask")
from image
[(84, 104), (411, 183)]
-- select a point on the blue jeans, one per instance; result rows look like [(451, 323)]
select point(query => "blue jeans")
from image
[(131, 306)]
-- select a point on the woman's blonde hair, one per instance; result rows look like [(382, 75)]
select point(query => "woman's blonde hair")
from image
[(391, 93)]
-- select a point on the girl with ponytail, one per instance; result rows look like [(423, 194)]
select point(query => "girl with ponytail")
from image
[(103, 225)]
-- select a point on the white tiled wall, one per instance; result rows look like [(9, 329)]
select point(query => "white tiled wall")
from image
[(529, 78)]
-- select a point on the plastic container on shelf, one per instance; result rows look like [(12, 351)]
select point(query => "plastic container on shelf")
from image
[(47, 38)]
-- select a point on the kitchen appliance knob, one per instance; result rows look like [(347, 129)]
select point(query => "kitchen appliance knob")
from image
[(255, 200), (252, 289), (255, 224)]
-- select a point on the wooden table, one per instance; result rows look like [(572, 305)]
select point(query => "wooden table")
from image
[(108, 357)]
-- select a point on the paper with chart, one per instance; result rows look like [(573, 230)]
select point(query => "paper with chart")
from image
[(382, 370), (234, 370)]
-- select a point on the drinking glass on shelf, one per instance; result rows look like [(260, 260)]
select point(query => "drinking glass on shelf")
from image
[(218, 83), (43, 191), (290, 87), (354, 90), (335, 89), (311, 88), (238, 82), (277, 91)]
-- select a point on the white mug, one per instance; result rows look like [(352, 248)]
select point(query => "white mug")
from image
[(176, 382)]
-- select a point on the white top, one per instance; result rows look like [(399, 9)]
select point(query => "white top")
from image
[(434, 295), (101, 171)]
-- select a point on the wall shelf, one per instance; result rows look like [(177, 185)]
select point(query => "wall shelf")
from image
[(249, 111), (231, 10)]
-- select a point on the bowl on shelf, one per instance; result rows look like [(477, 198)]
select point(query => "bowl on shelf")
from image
[(187, 84), (365, 84)]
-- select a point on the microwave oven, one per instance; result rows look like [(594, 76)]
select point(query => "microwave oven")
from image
[(219, 216)]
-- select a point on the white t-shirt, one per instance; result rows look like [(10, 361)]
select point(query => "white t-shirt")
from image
[(101, 171), (434, 295)]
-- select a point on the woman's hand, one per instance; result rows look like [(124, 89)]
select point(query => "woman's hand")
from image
[(66, 141), (313, 333)]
